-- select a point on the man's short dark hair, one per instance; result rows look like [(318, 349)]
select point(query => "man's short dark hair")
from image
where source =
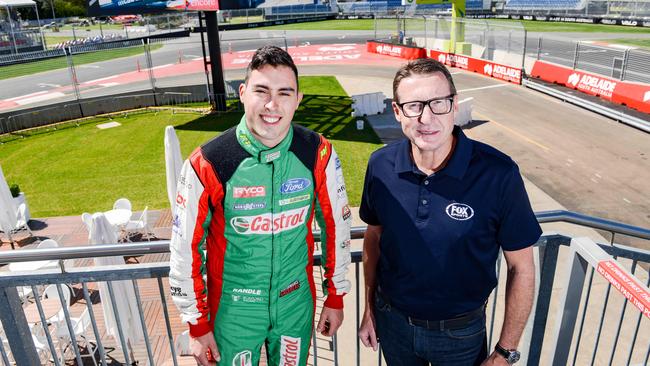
[(273, 56), (421, 66)]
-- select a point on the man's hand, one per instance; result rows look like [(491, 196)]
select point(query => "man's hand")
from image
[(200, 347), (330, 321), (367, 330), (494, 360)]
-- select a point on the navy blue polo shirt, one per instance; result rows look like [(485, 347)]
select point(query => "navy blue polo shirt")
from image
[(442, 233)]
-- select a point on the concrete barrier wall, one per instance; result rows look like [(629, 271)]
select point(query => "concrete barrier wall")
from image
[(65, 111)]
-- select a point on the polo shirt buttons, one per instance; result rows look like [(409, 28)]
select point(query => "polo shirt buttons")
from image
[(424, 202), (426, 182)]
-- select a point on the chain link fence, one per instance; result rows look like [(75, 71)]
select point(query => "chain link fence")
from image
[(618, 63), (497, 42)]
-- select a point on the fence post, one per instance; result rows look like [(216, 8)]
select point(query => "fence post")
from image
[(575, 55), (73, 78), (509, 40), (626, 58), (539, 47), (147, 56), (523, 57), (426, 39), (375, 17), (16, 329)]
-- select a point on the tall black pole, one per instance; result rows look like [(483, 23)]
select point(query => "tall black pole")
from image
[(218, 84)]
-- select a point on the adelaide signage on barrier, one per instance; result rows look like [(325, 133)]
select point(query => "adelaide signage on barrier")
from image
[(491, 69), (396, 50), (617, 91)]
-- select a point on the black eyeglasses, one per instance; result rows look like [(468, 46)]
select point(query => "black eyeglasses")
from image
[(436, 105)]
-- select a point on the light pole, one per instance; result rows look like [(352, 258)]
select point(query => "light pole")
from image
[(56, 25)]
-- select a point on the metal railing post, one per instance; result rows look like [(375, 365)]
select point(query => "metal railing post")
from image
[(575, 55), (16, 329), (539, 47), (548, 254), (570, 304)]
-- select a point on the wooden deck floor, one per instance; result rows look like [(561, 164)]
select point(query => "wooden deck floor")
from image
[(69, 231)]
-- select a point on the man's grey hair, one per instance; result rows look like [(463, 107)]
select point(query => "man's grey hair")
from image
[(422, 66)]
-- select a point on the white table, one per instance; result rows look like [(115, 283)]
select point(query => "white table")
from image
[(51, 307), (31, 266), (118, 217)]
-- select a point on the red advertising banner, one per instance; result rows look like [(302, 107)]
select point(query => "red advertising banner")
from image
[(633, 95), (409, 53), (488, 68), (635, 292)]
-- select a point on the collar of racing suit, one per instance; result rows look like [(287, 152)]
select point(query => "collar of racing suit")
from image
[(261, 152)]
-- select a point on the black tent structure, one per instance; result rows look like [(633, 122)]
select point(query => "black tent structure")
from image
[(14, 38)]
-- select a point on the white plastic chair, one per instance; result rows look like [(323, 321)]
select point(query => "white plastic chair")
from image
[(47, 243), (51, 292), (20, 224), (87, 220), (140, 225), (122, 203), (79, 327)]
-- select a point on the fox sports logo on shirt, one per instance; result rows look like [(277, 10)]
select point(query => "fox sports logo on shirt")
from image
[(459, 211)]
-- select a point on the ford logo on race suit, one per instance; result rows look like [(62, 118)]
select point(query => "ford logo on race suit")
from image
[(459, 211), (294, 185)]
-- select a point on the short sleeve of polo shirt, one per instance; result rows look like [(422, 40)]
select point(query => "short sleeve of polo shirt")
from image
[(366, 210), (518, 227)]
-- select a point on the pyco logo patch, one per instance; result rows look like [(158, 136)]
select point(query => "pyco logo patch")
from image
[(294, 185), (459, 211), (244, 358), (250, 191)]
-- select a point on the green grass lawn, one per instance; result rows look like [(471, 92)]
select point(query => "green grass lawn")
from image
[(642, 43), (85, 169), (337, 24), (92, 27), (529, 25), (12, 71), (54, 40), (538, 26)]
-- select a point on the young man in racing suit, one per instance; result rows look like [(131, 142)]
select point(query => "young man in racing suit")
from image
[(244, 209)]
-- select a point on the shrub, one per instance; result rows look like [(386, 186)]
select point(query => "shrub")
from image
[(15, 190)]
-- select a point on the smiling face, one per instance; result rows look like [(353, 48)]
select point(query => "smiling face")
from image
[(430, 134), (270, 97)]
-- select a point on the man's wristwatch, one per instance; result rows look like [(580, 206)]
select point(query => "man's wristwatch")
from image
[(511, 355)]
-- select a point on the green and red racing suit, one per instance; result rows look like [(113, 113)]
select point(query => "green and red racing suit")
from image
[(242, 248)]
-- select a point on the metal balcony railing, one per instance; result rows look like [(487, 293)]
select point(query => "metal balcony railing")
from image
[(544, 341)]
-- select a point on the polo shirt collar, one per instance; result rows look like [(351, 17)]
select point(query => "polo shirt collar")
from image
[(456, 167)]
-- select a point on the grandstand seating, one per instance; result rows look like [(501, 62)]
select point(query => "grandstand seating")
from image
[(302, 8), (545, 4), (374, 6)]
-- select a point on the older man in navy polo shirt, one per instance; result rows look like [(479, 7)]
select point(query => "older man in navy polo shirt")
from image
[(439, 206)]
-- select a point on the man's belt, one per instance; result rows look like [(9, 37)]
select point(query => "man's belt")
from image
[(459, 322)]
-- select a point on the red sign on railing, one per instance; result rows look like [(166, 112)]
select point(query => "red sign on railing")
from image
[(409, 53), (635, 292), (491, 69), (633, 95)]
